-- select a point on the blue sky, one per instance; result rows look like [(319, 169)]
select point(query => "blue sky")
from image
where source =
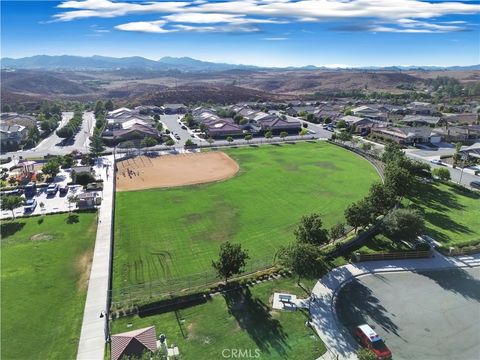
[(259, 32)]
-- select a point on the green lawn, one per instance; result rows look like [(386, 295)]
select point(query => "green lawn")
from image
[(452, 213), (44, 263), (380, 243), (176, 232), (241, 320)]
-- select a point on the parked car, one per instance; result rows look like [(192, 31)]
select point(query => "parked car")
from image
[(30, 205), (475, 184), (368, 338), (184, 127), (30, 189), (63, 190), (52, 189), (177, 136), (437, 162)]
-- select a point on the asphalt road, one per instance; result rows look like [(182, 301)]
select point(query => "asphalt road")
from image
[(53, 145), (171, 122), (427, 315)]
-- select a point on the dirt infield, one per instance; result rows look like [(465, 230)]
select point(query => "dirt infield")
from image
[(144, 172)]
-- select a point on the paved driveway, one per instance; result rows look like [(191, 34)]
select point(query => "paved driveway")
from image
[(425, 315)]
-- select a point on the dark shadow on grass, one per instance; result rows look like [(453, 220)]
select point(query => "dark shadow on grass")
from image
[(434, 198), (357, 305), (176, 304), (10, 228), (444, 222), (456, 280), (40, 221), (72, 219), (254, 317)]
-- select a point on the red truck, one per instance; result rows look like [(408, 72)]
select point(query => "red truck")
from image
[(368, 338)]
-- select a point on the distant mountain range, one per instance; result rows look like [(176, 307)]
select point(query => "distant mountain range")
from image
[(183, 64)]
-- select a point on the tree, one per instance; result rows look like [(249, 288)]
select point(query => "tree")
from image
[(303, 132), (358, 214), (456, 155), (344, 136), (68, 161), (229, 139), (404, 224), (248, 137), (442, 173), (11, 202), (366, 146), (366, 354), (203, 128), (238, 118), (310, 117), (6, 108), (337, 231), (341, 124), (96, 144), (302, 259), (210, 140), (51, 168), (42, 206), (109, 105), (310, 230), (159, 126), (72, 200), (82, 178), (392, 153), (189, 142), (268, 135), (381, 198), (99, 108), (170, 142), (231, 260), (149, 141), (156, 117), (283, 135), (398, 179), (65, 132)]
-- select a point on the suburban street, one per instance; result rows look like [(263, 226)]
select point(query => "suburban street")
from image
[(53, 144)]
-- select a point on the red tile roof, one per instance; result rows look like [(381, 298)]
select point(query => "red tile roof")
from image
[(122, 343)]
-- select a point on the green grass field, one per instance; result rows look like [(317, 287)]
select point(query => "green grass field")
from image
[(240, 320), (44, 273), (176, 232), (452, 213)]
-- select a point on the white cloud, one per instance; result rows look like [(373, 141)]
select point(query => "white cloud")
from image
[(409, 16), (145, 26)]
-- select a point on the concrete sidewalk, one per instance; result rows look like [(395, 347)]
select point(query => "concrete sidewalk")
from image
[(92, 337), (338, 340)]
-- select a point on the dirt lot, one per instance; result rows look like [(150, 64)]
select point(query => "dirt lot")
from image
[(174, 170)]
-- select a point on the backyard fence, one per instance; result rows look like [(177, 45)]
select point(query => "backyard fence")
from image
[(393, 255), (134, 295)]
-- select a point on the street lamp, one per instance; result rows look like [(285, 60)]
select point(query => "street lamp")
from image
[(104, 314)]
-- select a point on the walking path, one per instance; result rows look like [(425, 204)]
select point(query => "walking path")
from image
[(337, 339), (92, 336)]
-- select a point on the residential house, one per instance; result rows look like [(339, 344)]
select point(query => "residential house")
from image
[(222, 128), (408, 135), (11, 136), (362, 125), (277, 124), (465, 133), (369, 112), (422, 120), (462, 119), (421, 108), (134, 131), (174, 109)]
